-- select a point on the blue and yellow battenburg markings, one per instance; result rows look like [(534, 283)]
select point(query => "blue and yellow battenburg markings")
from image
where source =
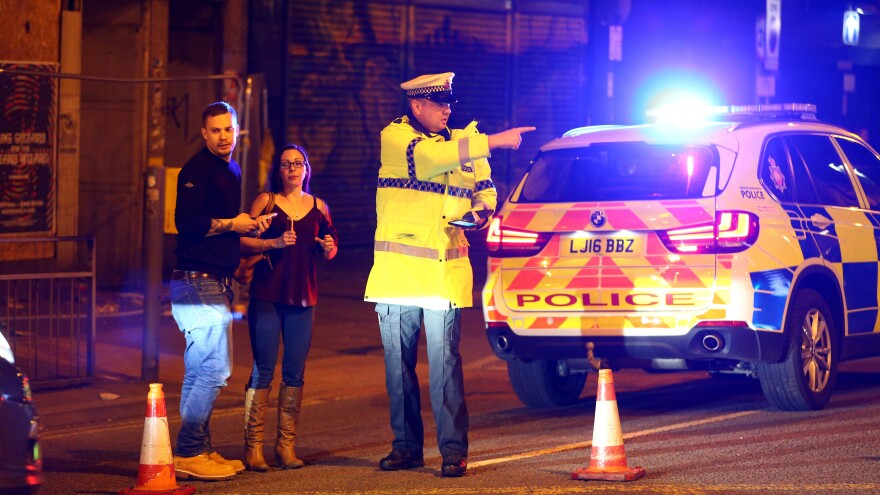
[(860, 278)]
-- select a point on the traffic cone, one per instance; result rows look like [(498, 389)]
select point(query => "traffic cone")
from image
[(156, 472), (607, 455)]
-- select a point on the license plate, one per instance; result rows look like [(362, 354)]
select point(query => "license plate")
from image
[(596, 245)]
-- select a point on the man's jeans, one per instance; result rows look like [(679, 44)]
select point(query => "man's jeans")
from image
[(201, 309), (400, 327)]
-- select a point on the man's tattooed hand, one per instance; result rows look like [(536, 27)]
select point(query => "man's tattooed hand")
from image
[(218, 227)]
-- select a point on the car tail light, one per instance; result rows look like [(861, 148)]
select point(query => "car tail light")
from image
[(505, 242), (732, 231)]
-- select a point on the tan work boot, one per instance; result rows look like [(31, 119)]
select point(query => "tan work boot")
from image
[(201, 467), (235, 464), (289, 405), (256, 401)]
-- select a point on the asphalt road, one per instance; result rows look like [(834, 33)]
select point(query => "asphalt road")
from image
[(692, 433)]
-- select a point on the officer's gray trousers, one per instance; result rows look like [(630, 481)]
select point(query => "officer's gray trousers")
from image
[(400, 327)]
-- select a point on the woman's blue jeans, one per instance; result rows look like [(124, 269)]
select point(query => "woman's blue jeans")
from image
[(271, 323), (201, 309)]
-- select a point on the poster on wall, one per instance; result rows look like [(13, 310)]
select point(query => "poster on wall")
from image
[(28, 108)]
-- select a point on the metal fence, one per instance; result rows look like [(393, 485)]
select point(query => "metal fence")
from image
[(47, 308)]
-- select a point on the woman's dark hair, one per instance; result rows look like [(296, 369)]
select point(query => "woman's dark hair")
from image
[(275, 184)]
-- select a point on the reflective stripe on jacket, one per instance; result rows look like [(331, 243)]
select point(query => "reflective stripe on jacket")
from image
[(424, 182)]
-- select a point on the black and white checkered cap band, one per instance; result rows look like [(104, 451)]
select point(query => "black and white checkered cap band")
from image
[(417, 92)]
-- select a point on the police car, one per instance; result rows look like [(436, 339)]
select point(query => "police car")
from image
[(747, 243)]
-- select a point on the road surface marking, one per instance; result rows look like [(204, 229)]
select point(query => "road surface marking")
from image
[(581, 445)]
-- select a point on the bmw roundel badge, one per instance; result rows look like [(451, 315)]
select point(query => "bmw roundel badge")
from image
[(597, 218)]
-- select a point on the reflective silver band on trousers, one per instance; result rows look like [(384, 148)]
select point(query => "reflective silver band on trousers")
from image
[(419, 252)]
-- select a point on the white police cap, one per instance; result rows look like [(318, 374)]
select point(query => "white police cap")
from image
[(435, 87)]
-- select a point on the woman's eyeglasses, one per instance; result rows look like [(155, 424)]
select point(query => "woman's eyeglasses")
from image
[(298, 164)]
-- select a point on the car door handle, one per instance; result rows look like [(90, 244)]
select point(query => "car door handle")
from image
[(820, 221)]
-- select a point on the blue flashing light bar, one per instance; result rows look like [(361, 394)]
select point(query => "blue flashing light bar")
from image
[(679, 115)]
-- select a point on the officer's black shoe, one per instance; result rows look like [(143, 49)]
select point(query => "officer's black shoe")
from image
[(398, 459), (454, 466)]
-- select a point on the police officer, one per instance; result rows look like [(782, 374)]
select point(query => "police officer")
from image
[(434, 183)]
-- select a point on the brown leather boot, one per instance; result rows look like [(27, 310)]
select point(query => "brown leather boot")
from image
[(256, 401), (289, 404)]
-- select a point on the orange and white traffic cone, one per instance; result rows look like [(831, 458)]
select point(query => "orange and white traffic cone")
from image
[(156, 472), (607, 456)]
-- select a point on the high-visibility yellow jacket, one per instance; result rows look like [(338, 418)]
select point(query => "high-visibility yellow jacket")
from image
[(424, 182)]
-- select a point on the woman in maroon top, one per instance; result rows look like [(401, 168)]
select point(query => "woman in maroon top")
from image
[(283, 294)]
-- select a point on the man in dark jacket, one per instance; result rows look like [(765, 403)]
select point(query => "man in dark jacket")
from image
[(209, 223)]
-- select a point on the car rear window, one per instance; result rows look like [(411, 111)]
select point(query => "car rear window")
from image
[(621, 172)]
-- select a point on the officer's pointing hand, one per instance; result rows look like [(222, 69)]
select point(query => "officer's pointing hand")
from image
[(510, 138)]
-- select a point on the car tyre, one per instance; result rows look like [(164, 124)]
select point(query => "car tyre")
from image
[(805, 378), (538, 384)]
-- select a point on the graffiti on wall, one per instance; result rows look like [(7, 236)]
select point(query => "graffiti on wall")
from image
[(346, 59), (344, 87)]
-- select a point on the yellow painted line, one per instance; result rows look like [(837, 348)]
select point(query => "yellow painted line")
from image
[(635, 487), (581, 445), (232, 411), (90, 429)]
